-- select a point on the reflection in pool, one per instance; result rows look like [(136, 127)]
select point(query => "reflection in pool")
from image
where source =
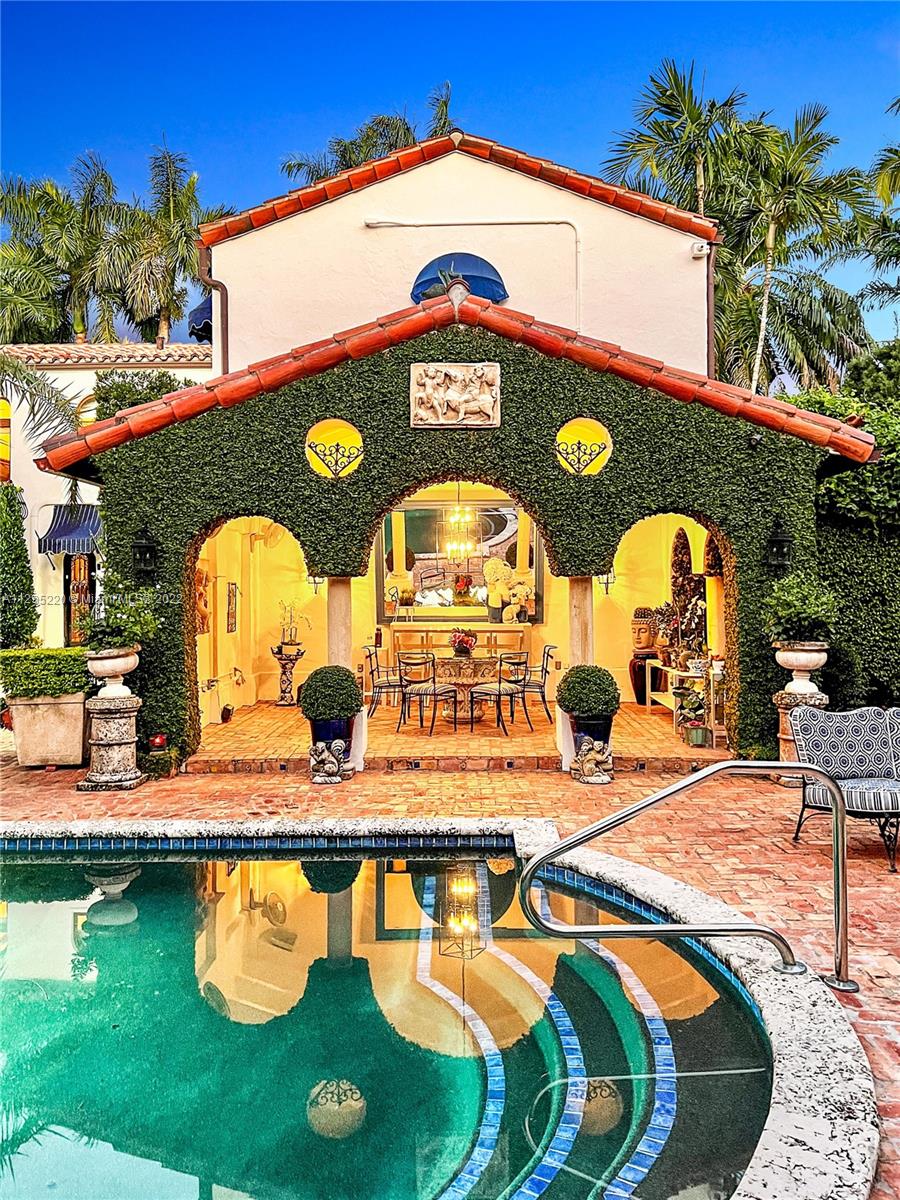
[(389, 1029)]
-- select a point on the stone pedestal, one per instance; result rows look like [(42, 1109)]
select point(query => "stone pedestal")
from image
[(113, 745), (787, 751)]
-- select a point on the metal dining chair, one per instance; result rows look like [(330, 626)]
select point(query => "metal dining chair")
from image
[(418, 681), (512, 676), (382, 681), (539, 677)]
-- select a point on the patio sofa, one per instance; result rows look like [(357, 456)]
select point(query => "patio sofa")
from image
[(861, 750)]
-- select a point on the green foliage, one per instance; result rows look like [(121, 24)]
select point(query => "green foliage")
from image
[(800, 609), (330, 875), (588, 692), (122, 616), (25, 883), (185, 480), (862, 569), (330, 694), (870, 494), (18, 607), (27, 673)]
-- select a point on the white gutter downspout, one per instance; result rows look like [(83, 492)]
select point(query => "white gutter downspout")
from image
[(385, 223)]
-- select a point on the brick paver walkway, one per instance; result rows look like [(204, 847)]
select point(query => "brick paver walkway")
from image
[(731, 839)]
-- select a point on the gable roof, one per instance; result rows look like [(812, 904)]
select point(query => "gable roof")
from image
[(64, 451), (87, 355), (456, 141)]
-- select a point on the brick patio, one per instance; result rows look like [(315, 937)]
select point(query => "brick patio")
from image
[(265, 737), (731, 839)]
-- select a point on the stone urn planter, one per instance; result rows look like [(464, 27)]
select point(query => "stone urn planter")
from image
[(112, 666), (49, 730), (113, 910), (801, 659)]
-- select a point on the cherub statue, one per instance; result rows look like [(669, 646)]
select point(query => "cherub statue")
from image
[(593, 763), (327, 762)]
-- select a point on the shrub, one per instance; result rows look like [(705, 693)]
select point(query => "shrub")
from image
[(330, 694), (588, 692), (123, 616), (799, 609), (25, 883), (330, 875), (18, 607), (28, 673)]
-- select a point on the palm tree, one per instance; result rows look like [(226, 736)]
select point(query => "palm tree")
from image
[(886, 169), (48, 410), (677, 135), (58, 239), (793, 204), (377, 137), (155, 248)]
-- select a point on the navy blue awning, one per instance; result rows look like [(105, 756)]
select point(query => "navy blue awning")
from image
[(483, 279), (200, 321), (73, 530)]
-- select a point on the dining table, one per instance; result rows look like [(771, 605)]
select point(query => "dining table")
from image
[(464, 672)]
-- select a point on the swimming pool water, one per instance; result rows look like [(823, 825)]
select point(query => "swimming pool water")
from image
[(345, 1030)]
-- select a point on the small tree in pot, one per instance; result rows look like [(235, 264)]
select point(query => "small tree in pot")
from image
[(122, 620), (591, 698), (800, 615), (330, 699), (45, 691)]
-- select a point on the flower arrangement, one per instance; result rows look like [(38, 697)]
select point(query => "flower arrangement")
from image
[(463, 641)]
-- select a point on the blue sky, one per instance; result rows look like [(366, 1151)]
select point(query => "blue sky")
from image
[(239, 85)]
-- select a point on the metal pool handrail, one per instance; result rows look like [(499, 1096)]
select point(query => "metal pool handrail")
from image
[(788, 964)]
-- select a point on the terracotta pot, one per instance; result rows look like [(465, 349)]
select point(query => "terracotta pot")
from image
[(801, 658), (113, 666)]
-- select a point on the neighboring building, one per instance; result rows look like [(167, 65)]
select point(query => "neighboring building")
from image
[(61, 538)]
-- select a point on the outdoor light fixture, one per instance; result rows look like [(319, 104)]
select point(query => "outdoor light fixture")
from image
[(144, 555), (158, 741), (460, 929), (608, 579), (780, 548)]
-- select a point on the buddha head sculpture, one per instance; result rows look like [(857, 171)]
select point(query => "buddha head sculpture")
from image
[(644, 629)]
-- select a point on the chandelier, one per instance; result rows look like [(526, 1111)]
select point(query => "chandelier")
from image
[(460, 929), (462, 532)]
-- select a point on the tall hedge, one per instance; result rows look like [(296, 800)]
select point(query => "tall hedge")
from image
[(18, 607), (249, 461)]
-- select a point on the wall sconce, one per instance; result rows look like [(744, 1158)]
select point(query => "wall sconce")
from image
[(144, 557), (780, 547), (607, 580)]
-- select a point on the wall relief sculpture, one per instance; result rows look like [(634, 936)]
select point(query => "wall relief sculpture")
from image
[(465, 395)]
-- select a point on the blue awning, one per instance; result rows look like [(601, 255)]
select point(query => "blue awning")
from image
[(73, 530), (200, 321), (483, 279)]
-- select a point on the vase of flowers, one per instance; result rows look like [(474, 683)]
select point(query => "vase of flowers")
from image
[(463, 642)]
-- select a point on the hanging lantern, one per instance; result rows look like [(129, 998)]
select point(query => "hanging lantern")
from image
[(144, 555), (461, 532), (780, 547)]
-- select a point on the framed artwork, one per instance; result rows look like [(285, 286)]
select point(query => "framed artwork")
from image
[(231, 612)]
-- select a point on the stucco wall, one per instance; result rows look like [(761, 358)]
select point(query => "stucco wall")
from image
[(42, 490), (603, 271)]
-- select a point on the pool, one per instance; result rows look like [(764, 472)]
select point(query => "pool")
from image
[(336, 1028)]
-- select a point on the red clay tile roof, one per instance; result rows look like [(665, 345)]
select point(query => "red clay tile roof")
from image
[(414, 156), (109, 354), (64, 451)]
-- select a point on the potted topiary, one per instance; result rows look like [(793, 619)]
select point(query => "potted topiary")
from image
[(45, 691), (799, 618), (122, 619), (330, 699), (591, 698)]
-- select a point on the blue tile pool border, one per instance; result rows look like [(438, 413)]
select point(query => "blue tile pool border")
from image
[(327, 843)]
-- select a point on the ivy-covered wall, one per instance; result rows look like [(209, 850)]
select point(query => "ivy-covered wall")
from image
[(249, 460)]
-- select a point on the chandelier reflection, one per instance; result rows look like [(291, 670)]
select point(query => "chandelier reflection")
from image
[(460, 929), (462, 532)]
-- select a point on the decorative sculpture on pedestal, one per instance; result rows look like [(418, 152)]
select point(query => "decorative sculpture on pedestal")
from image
[(328, 762), (286, 661), (644, 631), (592, 763)]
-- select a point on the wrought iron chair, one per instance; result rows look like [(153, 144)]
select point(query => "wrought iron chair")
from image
[(539, 677), (512, 676), (418, 681), (381, 680)]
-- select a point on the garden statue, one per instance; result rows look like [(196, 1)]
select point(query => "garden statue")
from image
[(644, 633), (497, 577), (328, 762), (520, 592), (592, 763)]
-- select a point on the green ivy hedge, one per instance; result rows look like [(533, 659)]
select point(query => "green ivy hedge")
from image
[(28, 673), (249, 461)]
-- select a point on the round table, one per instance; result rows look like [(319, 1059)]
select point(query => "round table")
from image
[(463, 673)]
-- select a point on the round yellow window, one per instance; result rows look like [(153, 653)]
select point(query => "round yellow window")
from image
[(583, 446), (334, 448)]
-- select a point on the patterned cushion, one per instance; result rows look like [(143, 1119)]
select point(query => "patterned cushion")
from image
[(862, 744), (864, 797), (505, 688)]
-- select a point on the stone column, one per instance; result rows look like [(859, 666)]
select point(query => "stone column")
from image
[(339, 621), (113, 745), (581, 619), (523, 541), (340, 928), (787, 751)]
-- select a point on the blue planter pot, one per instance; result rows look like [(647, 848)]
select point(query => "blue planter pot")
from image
[(331, 730)]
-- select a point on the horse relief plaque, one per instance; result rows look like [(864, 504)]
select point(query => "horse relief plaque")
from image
[(461, 395)]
